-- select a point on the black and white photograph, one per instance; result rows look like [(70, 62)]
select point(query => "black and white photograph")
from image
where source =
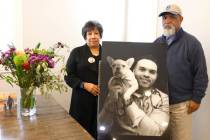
[(133, 102)]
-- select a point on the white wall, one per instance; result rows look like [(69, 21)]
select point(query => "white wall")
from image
[(61, 20), (141, 20), (196, 21), (7, 19), (11, 23)]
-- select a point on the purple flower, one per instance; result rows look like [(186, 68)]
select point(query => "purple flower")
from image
[(41, 58), (51, 63), (27, 51), (7, 54), (12, 49), (32, 59)]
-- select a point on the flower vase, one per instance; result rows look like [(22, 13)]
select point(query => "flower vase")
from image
[(27, 101)]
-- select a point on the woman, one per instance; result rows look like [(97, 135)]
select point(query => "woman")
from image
[(82, 77)]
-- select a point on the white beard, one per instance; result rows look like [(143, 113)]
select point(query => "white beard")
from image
[(168, 30)]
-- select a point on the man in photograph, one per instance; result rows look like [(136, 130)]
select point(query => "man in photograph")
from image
[(146, 113)]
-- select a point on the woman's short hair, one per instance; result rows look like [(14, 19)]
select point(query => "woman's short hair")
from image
[(91, 25)]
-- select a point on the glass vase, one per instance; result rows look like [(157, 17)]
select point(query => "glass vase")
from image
[(27, 101)]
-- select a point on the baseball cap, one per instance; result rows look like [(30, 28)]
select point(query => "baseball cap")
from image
[(173, 9)]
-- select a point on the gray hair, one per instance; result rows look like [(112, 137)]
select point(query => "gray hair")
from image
[(91, 25)]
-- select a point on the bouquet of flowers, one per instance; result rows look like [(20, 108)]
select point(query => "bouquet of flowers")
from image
[(32, 68)]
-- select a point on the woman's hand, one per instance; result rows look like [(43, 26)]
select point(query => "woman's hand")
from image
[(92, 88)]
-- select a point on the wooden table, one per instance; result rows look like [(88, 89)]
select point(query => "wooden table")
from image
[(51, 122)]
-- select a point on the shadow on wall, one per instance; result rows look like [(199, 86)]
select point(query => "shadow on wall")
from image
[(63, 99), (201, 119)]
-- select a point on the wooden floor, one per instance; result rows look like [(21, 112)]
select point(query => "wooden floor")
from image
[(51, 122)]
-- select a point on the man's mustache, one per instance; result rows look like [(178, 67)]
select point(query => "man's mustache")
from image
[(145, 80), (166, 26)]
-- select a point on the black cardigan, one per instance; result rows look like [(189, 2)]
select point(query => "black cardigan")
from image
[(83, 104)]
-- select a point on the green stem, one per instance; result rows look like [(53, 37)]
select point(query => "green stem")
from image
[(27, 98)]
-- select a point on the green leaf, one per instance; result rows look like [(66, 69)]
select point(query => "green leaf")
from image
[(38, 69), (38, 45)]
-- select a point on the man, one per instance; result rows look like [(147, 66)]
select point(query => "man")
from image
[(148, 109), (187, 72), (146, 113), (10, 103)]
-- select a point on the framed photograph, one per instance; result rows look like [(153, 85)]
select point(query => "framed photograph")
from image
[(133, 101), (8, 103)]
